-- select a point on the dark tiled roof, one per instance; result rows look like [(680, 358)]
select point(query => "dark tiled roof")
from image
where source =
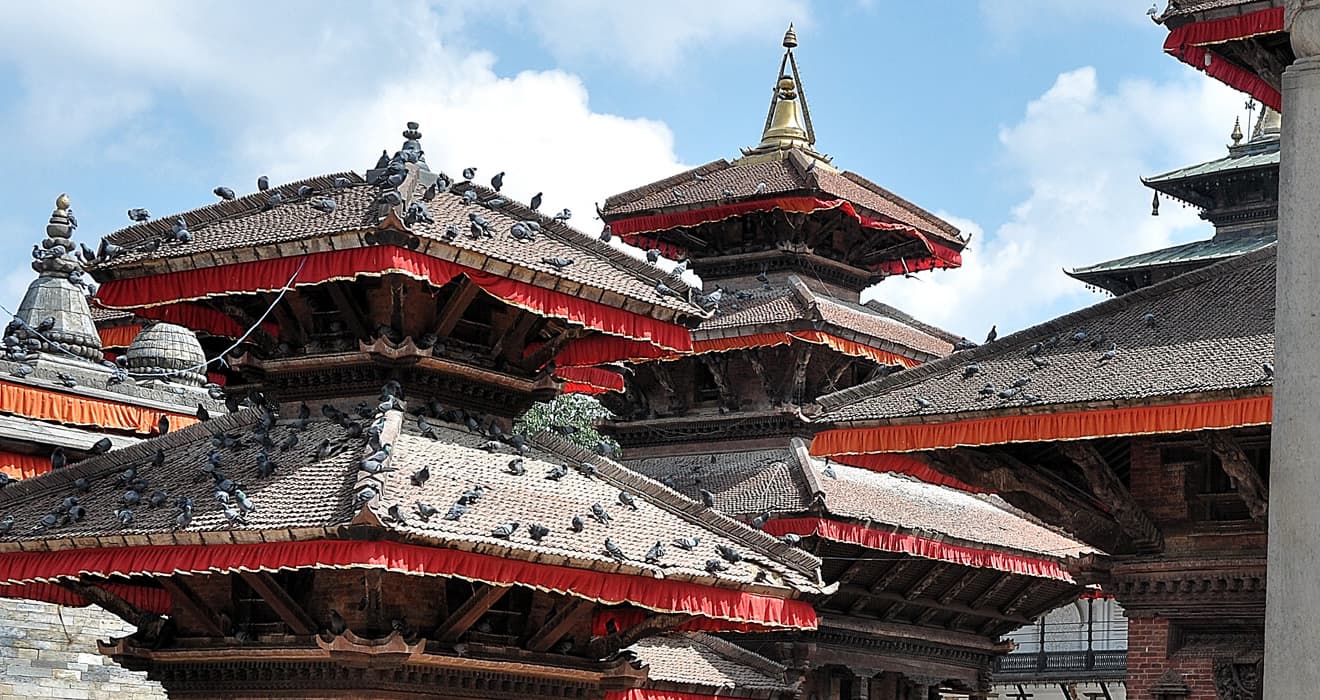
[(1265, 154), (110, 317), (1206, 251), (92, 381), (307, 494), (700, 659), (1213, 329), (796, 307), (244, 224), (1182, 8), (705, 185), (786, 481)]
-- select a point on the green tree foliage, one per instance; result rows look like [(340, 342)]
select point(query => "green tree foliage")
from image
[(571, 415)]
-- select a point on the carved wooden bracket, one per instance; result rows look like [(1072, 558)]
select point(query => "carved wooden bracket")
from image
[(1107, 487), (1250, 486)]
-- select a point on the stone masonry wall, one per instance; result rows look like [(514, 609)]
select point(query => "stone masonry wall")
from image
[(50, 652)]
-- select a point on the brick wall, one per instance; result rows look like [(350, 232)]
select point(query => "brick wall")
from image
[(44, 657), (1148, 657)]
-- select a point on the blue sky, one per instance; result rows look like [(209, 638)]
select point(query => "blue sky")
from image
[(1026, 122)]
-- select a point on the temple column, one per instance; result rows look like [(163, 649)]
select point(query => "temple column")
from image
[(861, 688), (1292, 619)]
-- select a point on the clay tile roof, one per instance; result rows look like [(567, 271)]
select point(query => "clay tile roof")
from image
[(759, 310), (1212, 331), (706, 185), (695, 658), (306, 494), (874, 323), (245, 223), (786, 481), (1182, 8), (92, 382)]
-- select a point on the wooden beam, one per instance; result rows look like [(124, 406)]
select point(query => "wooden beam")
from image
[(1029, 589), (551, 347), (279, 600), (458, 302), (854, 571), (348, 310), (1249, 485), (885, 580), (290, 325), (891, 597), (511, 343), (796, 388), (483, 597), (1107, 487), (927, 580), (952, 592), (994, 589), (187, 600), (718, 366), (758, 368), (574, 610), (649, 627), (149, 624)]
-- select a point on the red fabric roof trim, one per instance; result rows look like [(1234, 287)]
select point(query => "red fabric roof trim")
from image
[(654, 694), (610, 589), (917, 546), (602, 380), (144, 293), (19, 466), (118, 336), (599, 349), (202, 319), (1187, 43), (1076, 425), (941, 255), (154, 600), (905, 464), (74, 409)]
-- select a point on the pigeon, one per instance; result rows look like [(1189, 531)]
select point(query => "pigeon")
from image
[(759, 521), (790, 538), (537, 531), (183, 519), (234, 516), (456, 511), (1009, 393), (397, 515), (994, 333), (1040, 362), (471, 495), (521, 232), (82, 485), (469, 173), (715, 566), (497, 182), (1035, 349), (1148, 318), (263, 183), (970, 370), (265, 467), (77, 513), (922, 404), (21, 371), (338, 625), (139, 215), (687, 543), (1109, 354), (664, 290), (163, 425), (987, 390), (420, 476), (58, 459), (606, 233), (577, 524), (626, 499), (243, 501), (306, 190), (588, 469), (124, 516), (324, 205), (6, 525), (1268, 370), (653, 256), (1021, 381), (599, 513), (158, 498), (707, 498), (426, 510), (1080, 336), (655, 553), (516, 466), (536, 201), (274, 200), (556, 472), (614, 550), (728, 553), (828, 470), (505, 531), (224, 193), (564, 215), (558, 263)]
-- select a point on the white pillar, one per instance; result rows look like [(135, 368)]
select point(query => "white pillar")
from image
[(1292, 618)]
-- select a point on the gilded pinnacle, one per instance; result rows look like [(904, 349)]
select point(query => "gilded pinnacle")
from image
[(1237, 131), (790, 37), (62, 203)]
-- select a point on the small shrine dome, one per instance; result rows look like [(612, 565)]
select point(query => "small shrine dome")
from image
[(167, 347)]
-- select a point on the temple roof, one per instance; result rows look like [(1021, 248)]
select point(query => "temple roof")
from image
[(786, 482), (1166, 348), (795, 306), (1183, 8), (696, 658), (314, 499), (1206, 251), (228, 231), (706, 186)]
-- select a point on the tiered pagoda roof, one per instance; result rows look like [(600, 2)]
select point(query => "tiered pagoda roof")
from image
[(1241, 43)]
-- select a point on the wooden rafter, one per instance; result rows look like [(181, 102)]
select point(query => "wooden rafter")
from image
[(483, 598), (995, 588), (512, 341), (348, 310), (187, 600), (1029, 589), (927, 580), (149, 624), (886, 579), (718, 365), (952, 606), (649, 627), (1108, 488), (458, 302), (1250, 486), (758, 367), (279, 600), (554, 629), (551, 347), (795, 390)]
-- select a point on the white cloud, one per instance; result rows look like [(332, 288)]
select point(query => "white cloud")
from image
[(1009, 18), (1080, 151)]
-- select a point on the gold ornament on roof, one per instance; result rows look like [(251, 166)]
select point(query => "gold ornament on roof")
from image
[(1237, 131), (62, 204), (788, 121)]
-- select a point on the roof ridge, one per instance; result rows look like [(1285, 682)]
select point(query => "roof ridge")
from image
[(1059, 324), (903, 317), (802, 455), (201, 216), (941, 224), (623, 477), (636, 193), (116, 460), (733, 652)]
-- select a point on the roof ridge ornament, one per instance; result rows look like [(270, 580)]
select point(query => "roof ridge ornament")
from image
[(788, 120)]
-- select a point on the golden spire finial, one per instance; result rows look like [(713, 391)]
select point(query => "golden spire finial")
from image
[(1237, 131), (62, 203), (788, 122), (790, 37)]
